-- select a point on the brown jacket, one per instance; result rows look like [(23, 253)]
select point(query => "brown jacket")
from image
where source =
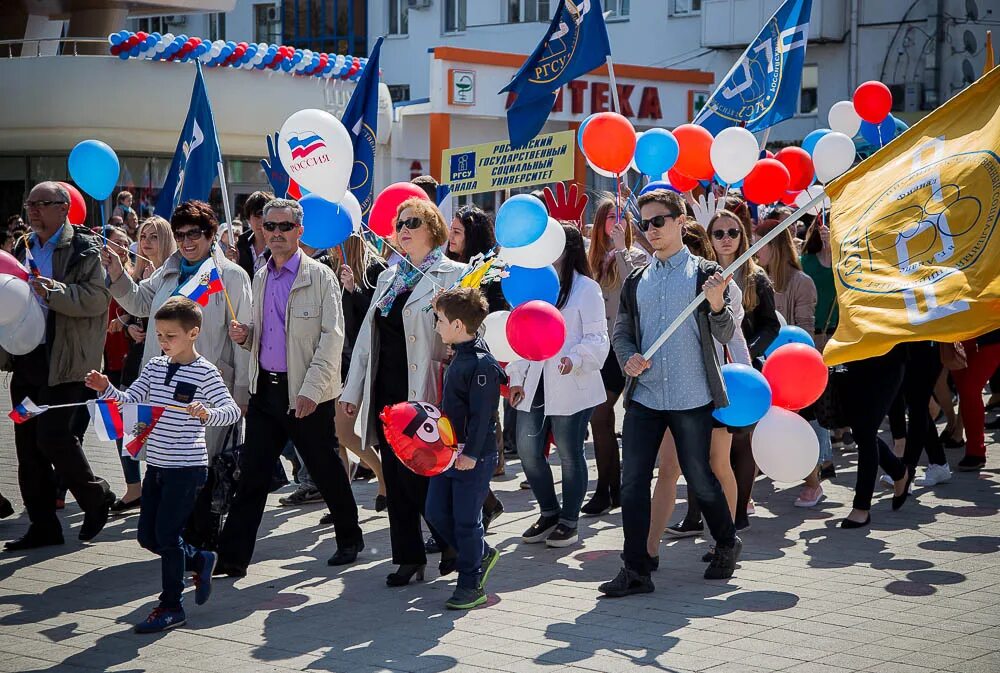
[(797, 302)]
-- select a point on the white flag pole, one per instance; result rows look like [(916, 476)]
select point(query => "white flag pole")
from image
[(614, 85)]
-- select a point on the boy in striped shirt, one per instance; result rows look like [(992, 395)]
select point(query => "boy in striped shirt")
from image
[(194, 396)]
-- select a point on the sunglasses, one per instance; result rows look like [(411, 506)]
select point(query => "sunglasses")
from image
[(657, 222), (720, 234), (412, 224), (284, 226), (188, 234), (40, 204)]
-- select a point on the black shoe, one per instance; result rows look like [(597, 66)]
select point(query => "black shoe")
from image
[(223, 569), (993, 425), (346, 554), (362, 473), (404, 574), (627, 582), (562, 536), (540, 529), (431, 545), (949, 442), (971, 464), (490, 515), (742, 523), (447, 566), (685, 529), (598, 505), (849, 524), (708, 556), (380, 503), (93, 521), (327, 519), (122, 507), (724, 561), (490, 559), (847, 438), (6, 509), (33, 540), (828, 472), (900, 500)]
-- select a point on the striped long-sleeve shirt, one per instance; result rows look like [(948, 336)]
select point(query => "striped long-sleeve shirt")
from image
[(178, 439)]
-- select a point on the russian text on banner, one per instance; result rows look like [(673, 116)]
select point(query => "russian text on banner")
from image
[(492, 166)]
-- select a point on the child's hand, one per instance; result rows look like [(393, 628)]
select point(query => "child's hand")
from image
[(464, 462), (565, 366), (96, 381), (198, 410)]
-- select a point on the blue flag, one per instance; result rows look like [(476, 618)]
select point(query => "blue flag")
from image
[(575, 43), (361, 120), (762, 89), (196, 160)]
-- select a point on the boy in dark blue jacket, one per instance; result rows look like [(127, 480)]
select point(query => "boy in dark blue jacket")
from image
[(470, 398)]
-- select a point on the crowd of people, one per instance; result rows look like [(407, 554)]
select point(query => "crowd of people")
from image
[(304, 348)]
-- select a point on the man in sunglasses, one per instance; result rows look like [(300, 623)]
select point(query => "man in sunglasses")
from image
[(68, 283), (295, 341), (250, 247), (677, 389)]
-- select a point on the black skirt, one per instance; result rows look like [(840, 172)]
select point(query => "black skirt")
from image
[(612, 375)]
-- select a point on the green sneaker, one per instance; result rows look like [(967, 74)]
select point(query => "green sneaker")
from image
[(489, 560), (466, 599)]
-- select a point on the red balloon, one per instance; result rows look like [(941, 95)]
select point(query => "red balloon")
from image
[(421, 437), (609, 141), (789, 198), (799, 165), (873, 101), (77, 205), (797, 375), (768, 154), (141, 35), (767, 182), (10, 266), (680, 181), (387, 203), (536, 330), (695, 145)]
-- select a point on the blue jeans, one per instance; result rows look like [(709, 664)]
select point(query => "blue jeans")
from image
[(825, 445), (455, 511), (641, 435), (168, 496), (130, 465), (569, 433)]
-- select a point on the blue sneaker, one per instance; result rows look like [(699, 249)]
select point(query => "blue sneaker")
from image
[(203, 578), (161, 619)]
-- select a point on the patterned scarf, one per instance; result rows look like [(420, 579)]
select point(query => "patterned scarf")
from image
[(406, 279)]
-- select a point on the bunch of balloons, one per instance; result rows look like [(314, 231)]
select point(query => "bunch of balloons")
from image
[(246, 55)]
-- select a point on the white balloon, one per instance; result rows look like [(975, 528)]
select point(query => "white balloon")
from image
[(542, 252), (808, 194), (495, 334), (323, 154), (350, 203), (844, 119), (781, 318), (833, 156), (734, 153), (15, 295), (600, 171), (24, 335), (785, 446)]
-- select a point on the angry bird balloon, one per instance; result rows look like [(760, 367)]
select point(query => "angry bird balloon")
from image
[(422, 438)]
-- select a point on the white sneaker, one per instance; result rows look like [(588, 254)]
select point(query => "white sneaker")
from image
[(887, 481), (934, 474), (809, 497)]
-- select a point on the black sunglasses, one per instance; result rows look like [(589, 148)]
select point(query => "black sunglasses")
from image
[(284, 226), (189, 234), (40, 204), (412, 224), (720, 234), (657, 222)]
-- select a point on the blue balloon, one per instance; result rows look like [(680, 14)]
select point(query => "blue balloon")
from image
[(94, 168), (790, 334), (658, 184), (656, 152), (879, 135), (736, 185), (579, 132), (134, 51), (123, 55), (521, 220), (749, 396), (809, 142), (115, 39), (523, 284), (324, 224)]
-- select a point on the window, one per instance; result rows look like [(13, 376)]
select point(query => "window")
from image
[(619, 9), (454, 16), (399, 92), (527, 11), (152, 24), (685, 7), (399, 18), (808, 99), (216, 26), (266, 24)]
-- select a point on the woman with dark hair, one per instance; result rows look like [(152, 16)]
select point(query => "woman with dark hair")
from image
[(612, 257), (559, 395)]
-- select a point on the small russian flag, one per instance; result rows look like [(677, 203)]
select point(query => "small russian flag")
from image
[(139, 422), (205, 282), (30, 259), (26, 410), (108, 423)]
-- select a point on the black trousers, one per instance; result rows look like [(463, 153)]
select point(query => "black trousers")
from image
[(269, 426), (923, 366), (48, 448), (406, 498)]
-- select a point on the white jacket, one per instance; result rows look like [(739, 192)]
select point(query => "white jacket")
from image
[(739, 353), (586, 345), (425, 351), (144, 299)]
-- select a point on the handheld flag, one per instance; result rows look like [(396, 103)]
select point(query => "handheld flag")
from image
[(30, 260), (361, 120), (26, 410), (916, 242), (762, 88), (196, 160), (575, 43), (205, 282), (107, 417), (139, 421)]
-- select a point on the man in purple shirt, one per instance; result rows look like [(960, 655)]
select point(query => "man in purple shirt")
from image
[(296, 340)]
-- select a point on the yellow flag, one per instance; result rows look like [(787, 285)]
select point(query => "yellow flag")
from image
[(988, 63), (915, 232), (475, 277)]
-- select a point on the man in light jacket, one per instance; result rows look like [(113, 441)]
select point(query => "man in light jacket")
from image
[(295, 340), (69, 285)]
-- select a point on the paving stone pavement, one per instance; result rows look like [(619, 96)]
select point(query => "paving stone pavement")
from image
[(916, 593)]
